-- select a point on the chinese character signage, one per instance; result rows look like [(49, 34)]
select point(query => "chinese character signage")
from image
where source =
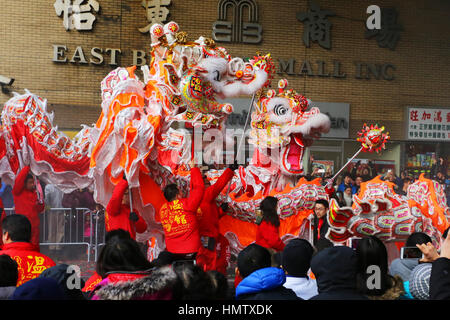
[(316, 25), (428, 124), (157, 12), (389, 34), (77, 15)]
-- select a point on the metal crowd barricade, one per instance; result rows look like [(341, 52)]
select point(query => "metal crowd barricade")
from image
[(306, 229), (66, 226), (311, 232), (9, 211), (99, 231)]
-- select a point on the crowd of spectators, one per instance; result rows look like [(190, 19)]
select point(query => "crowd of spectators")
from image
[(268, 269), (349, 182), (300, 271)]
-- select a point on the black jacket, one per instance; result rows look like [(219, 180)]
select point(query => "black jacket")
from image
[(279, 293), (335, 271), (440, 280), (323, 229)]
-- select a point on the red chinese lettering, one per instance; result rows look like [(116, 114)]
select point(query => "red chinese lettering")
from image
[(426, 116), (413, 116), (437, 116)]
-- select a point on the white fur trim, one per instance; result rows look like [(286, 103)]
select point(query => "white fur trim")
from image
[(317, 121), (238, 88)]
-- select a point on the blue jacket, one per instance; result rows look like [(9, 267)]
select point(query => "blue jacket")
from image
[(265, 284), (343, 185), (6, 195)]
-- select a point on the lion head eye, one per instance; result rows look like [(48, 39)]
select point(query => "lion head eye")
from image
[(280, 110), (217, 75)]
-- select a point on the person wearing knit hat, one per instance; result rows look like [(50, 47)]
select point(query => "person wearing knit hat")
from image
[(335, 269), (419, 282), (39, 289), (63, 276), (296, 261)]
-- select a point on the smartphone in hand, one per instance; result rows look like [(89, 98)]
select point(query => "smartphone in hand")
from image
[(410, 253)]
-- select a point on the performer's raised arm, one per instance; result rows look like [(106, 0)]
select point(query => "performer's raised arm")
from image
[(114, 204), (19, 183), (214, 190), (197, 189), (140, 225)]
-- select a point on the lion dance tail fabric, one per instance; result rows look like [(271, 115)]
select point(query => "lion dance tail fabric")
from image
[(28, 137), (378, 210)]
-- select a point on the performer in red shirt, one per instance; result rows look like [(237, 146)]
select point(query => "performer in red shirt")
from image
[(27, 203), (118, 214), (208, 219), (178, 218), (267, 234), (16, 238)]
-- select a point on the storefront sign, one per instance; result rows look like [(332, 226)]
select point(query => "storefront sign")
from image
[(61, 53), (389, 33), (316, 25), (320, 68), (428, 124), (75, 14), (156, 12), (339, 114), (233, 28)]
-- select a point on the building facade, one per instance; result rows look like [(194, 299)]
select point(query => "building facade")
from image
[(395, 75)]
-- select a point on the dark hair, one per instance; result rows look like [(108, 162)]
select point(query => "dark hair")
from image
[(322, 244), (269, 210), (346, 174), (407, 179), (413, 239), (444, 235), (171, 192), (324, 202), (29, 176), (118, 233), (371, 251), (165, 258), (277, 259), (252, 258), (195, 283), (219, 285), (121, 255), (296, 257), (18, 227), (8, 271)]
